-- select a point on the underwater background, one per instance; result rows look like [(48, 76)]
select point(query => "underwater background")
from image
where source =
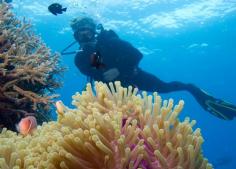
[(192, 41)]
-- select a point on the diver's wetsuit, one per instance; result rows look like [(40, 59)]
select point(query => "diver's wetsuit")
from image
[(120, 54)]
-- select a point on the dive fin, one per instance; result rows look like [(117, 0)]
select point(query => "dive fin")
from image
[(221, 109), (216, 107)]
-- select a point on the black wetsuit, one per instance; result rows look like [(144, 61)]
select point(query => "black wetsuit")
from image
[(120, 54), (114, 52)]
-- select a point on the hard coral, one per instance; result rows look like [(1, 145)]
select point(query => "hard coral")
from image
[(27, 71), (111, 128)]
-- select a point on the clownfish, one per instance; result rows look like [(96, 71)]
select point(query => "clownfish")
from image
[(27, 125), (60, 107)]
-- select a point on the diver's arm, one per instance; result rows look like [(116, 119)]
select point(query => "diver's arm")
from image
[(83, 64)]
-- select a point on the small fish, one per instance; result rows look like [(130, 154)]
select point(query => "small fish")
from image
[(96, 60), (56, 8), (60, 107), (27, 125)]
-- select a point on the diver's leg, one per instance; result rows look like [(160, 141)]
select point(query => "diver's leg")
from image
[(217, 107), (148, 82)]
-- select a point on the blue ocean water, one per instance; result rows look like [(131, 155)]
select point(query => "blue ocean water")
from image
[(192, 41)]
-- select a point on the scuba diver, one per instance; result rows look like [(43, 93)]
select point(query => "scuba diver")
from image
[(103, 56)]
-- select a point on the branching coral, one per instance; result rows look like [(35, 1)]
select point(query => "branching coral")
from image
[(111, 128), (27, 71)]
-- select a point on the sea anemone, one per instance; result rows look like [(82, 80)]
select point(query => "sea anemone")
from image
[(111, 127)]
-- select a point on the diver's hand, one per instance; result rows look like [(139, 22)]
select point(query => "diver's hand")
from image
[(111, 74)]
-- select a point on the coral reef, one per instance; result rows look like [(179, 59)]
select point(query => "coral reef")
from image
[(27, 71), (111, 128)]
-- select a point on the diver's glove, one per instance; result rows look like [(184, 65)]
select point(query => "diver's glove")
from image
[(111, 74), (216, 107)]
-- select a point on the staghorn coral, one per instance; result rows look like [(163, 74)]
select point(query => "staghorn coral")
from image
[(111, 128), (27, 71)]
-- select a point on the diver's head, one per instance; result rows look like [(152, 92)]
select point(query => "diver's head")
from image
[(84, 29)]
